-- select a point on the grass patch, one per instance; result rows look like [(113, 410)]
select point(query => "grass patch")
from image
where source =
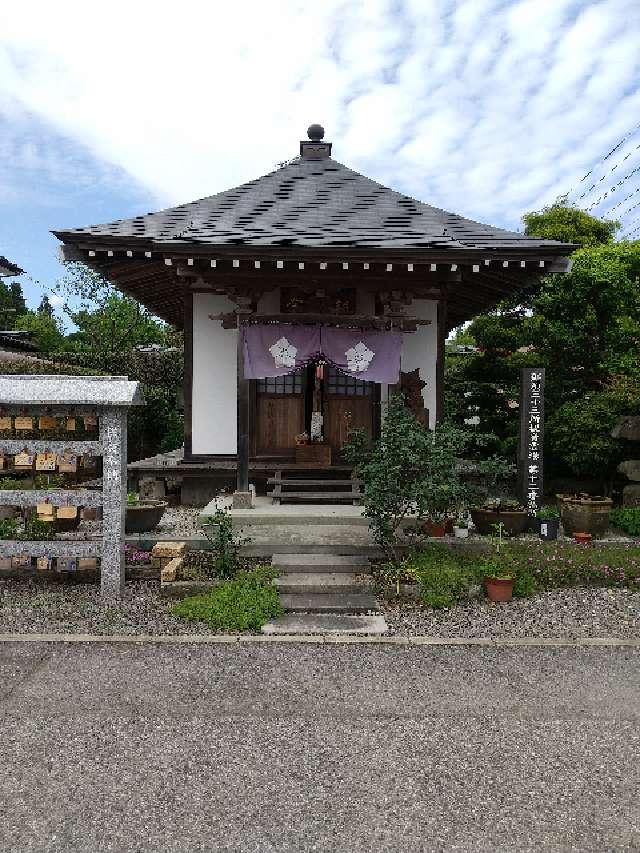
[(242, 604)]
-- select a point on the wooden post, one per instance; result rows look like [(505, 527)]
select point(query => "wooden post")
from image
[(442, 338), (242, 496)]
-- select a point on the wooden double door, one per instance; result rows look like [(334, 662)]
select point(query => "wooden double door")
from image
[(284, 405)]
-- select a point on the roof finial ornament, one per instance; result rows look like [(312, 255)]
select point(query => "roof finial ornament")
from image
[(315, 132)]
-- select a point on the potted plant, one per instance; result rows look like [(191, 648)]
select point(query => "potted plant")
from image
[(505, 511), (549, 519), (142, 515), (582, 538), (436, 526), (497, 576), (585, 513), (461, 529)]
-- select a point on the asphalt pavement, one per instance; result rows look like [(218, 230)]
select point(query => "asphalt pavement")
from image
[(293, 747)]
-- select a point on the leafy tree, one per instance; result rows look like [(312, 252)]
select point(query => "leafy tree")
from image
[(48, 335), (45, 306), (584, 327), (12, 304), (561, 221)]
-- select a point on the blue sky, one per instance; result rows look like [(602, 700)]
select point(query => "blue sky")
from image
[(486, 107)]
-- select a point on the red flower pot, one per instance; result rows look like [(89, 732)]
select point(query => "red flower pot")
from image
[(582, 538), (436, 529), (498, 589)]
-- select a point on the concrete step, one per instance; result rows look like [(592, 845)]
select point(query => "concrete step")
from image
[(312, 582), (296, 563), (355, 602), (325, 624), (308, 483), (315, 497)]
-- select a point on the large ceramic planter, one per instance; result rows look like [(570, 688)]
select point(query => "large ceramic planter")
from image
[(144, 516), (586, 515), (498, 589), (514, 521)]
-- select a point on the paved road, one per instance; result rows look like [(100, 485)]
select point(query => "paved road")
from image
[(325, 748)]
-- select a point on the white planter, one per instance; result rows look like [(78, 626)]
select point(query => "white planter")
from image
[(460, 532)]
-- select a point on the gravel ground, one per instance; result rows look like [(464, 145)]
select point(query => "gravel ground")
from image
[(559, 613), (338, 749), (33, 607), (180, 521)]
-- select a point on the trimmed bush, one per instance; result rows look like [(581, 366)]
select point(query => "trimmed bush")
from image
[(242, 604), (626, 519)]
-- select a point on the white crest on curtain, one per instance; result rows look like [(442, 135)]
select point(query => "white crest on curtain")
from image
[(359, 357), (284, 353)]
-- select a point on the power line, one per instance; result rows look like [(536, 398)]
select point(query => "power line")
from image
[(606, 157), (610, 172), (613, 189)]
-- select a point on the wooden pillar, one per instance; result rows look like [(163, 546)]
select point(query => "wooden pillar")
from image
[(242, 497)]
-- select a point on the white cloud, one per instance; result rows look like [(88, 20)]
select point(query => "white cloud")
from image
[(487, 107)]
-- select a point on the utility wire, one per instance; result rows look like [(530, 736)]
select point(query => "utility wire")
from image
[(610, 172), (606, 157)]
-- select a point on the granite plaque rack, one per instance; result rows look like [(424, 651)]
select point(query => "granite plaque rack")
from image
[(110, 398)]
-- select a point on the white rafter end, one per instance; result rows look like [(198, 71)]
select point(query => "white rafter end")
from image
[(323, 265), (389, 267), (487, 262), (409, 267), (454, 267), (129, 253), (280, 264), (189, 262), (505, 264), (365, 266), (476, 267), (541, 263), (147, 254), (92, 254), (168, 262), (110, 253), (300, 265), (214, 264), (256, 264), (236, 263), (345, 265), (433, 267), (523, 264)]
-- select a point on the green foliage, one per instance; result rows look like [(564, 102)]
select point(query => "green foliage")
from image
[(9, 484), (225, 545), (412, 471), (242, 604), (121, 323), (584, 327), (47, 331), (8, 528), (133, 498), (12, 304), (548, 513), (560, 221), (35, 529), (48, 481), (627, 519)]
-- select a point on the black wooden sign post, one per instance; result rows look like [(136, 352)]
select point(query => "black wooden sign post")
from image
[(531, 437)]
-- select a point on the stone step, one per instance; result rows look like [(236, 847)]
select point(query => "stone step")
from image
[(312, 582), (295, 563), (355, 602), (325, 624), (315, 497)]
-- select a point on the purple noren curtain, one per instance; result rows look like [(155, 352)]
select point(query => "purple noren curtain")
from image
[(279, 349)]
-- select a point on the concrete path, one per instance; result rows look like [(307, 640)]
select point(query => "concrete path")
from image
[(300, 747)]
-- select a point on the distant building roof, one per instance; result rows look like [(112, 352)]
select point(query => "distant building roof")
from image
[(17, 341), (8, 268)]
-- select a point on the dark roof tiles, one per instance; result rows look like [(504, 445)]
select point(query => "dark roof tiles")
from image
[(314, 204)]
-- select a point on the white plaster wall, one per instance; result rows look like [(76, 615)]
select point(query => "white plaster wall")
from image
[(213, 412), (420, 349)]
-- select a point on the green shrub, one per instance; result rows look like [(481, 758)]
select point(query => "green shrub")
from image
[(242, 604), (225, 545), (8, 528), (627, 519), (35, 529)]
